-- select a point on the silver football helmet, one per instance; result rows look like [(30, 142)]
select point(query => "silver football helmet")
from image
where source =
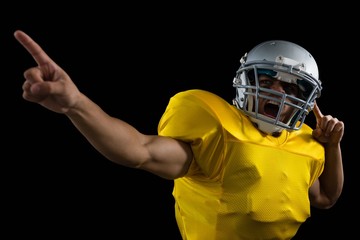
[(285, 61)]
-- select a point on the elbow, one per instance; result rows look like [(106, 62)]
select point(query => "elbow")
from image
[(326, 202)]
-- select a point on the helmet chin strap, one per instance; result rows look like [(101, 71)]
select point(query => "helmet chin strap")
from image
[(262, 124), (266, 127)]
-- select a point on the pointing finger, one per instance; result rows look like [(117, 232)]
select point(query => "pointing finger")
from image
[(317, 112), (32, 47)]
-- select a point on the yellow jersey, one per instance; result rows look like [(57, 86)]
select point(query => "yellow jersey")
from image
[(242, 183)]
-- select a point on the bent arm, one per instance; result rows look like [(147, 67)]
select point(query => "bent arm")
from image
[(123, 144), (327, 189)]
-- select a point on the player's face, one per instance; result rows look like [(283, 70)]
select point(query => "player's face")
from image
[(270, 108)]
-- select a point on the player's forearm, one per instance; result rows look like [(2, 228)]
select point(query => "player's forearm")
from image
[(332, 178), (115, 139)]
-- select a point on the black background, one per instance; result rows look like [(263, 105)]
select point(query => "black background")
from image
[(131, 60)]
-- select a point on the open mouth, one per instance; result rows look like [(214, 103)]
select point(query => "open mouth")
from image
[(271, 109)]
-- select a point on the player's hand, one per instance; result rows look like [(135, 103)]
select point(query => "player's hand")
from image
[(328, 129), (47, 83)]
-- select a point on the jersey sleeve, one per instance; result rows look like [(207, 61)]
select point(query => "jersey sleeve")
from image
[(190, 117)]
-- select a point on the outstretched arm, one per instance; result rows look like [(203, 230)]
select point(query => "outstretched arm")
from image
[(50, 86), (327, 189)]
